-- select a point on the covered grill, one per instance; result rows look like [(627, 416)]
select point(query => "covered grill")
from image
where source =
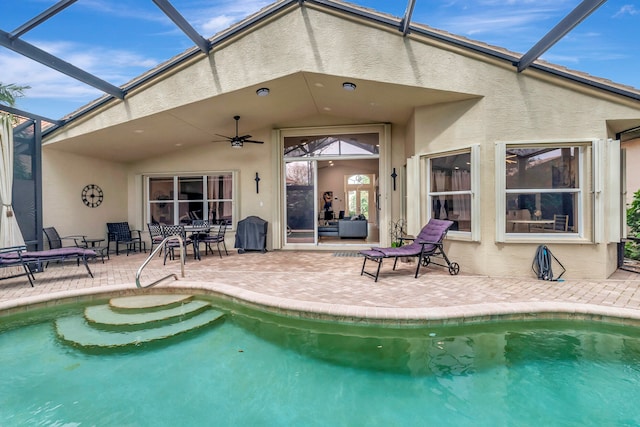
[(251, 235)]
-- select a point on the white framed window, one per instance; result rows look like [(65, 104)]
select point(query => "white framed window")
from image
[(360, 191), (540, 190), (451, 182), (176, 199)]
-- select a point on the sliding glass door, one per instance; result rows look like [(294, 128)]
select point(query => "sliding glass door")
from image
[(317, 194), (300, 201)]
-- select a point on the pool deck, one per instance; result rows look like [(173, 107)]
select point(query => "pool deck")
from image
[(321, 284)]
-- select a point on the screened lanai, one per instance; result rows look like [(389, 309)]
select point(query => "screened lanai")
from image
[(310, 80), (30, 128)]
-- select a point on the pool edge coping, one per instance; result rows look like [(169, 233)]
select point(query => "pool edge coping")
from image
[(450, 315)]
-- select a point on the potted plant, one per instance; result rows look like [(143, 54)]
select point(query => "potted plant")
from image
[(398, 230)]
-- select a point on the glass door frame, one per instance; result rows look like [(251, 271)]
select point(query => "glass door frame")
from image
[(384, 168)]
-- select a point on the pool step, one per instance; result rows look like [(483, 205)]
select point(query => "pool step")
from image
[(134, 321), (104, 317), (148, 303)]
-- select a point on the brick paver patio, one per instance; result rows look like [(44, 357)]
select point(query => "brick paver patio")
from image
[(320, 282)]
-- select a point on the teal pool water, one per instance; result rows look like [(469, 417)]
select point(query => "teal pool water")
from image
[(262, 370)]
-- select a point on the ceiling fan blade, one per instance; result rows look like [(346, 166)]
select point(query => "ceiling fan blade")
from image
[(243, 137), (228, 137), (255, 142)]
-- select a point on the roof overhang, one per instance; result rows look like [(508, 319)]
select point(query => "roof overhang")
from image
[(299, 99)]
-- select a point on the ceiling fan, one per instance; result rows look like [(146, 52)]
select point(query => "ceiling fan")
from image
[(238, 141)]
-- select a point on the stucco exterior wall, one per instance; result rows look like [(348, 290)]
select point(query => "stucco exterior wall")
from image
[(632, 172), (64, 176), (214, 156), (485, 121)]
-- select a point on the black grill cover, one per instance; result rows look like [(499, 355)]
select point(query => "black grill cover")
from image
[(251, 234)]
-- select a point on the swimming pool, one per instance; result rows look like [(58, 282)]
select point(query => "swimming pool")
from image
[(265, 370)]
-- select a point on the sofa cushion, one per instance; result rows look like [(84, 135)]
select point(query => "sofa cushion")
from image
[(328, 230), (352, 228)]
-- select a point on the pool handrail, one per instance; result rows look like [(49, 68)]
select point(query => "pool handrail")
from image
[(159, 247)]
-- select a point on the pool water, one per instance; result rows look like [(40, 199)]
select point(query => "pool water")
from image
[(261, 370)]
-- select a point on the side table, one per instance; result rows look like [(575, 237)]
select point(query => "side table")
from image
[(94, 245)]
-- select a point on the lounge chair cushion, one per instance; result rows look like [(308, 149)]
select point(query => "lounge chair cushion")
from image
[(427, 244), (51, 253)]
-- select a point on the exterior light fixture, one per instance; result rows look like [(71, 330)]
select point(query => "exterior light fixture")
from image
[(263, 91), (349, 86)]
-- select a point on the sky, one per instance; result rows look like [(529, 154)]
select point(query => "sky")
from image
[(117, 40)]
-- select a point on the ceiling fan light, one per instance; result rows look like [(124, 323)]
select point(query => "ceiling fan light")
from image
[(263, 91), (349, 86), (236, 144)]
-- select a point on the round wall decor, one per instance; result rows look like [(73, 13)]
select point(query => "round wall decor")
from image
[(92, 195)]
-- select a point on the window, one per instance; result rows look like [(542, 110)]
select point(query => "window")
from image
[(449, 188), (181, 199), (359, 144), (543, 188), (360, 194)]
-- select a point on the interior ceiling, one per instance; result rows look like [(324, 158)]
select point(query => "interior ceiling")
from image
[(300, 99)]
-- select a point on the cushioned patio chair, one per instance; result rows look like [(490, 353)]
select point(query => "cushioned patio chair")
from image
[(200, 229), (171, 244), (216, 238), (427, 245), (155, 233), (120, 234), (12, 257)]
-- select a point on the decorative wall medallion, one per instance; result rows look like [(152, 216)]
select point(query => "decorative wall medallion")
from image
[(92, 195)]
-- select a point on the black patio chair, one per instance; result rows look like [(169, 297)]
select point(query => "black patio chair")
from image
[(55, 241), (171, 244), (217, 238), (155, 233), (200, 229), (120, 234)]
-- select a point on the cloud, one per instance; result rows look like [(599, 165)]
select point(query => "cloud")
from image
[(627, 9), (561, 59), (132, 10), (498, 19), (116, 66), (44, 81), (216, 24), (209, 20)]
